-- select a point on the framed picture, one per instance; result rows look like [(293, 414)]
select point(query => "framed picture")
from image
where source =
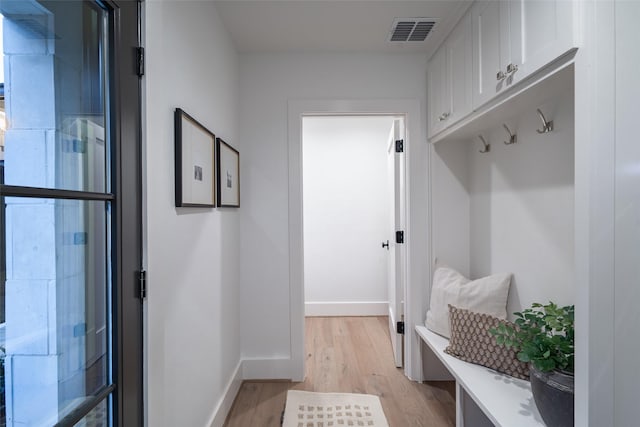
[(228, 175), (195, 162)]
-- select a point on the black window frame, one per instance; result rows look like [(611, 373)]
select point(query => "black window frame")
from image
[(126, 391)]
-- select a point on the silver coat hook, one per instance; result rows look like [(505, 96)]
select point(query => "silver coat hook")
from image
[(547, 126), (487, 146), (513, 138)]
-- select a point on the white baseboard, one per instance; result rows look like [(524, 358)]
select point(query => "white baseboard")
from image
[(266, 369), (350, 308), (231, 391)]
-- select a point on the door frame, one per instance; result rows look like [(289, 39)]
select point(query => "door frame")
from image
[(125, 28), (398, 212), (417, 267)]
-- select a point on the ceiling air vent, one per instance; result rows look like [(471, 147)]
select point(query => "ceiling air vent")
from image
[(411, 29)]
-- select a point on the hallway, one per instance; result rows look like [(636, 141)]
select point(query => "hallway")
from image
[(350, 355)]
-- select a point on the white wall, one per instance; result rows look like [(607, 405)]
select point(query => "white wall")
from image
[(522, 215), (595, 217), (627, 207), (512, 209), (347, 211), (450, 235), (267, 83), (192, 310), (607, 212)]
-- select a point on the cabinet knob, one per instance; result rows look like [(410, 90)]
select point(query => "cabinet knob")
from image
[(512, 68), (501, 75), (443, 117)]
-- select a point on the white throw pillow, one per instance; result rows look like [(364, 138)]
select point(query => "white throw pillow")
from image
[(487, 295)]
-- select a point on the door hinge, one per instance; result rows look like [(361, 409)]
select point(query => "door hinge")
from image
[(399, 145), (140, 60), (399, 236), (400, 327), (142, 284)]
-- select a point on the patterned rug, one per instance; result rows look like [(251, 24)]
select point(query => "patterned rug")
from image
[(307, 409)]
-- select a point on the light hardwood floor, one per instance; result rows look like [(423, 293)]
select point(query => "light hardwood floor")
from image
[(349, 355)]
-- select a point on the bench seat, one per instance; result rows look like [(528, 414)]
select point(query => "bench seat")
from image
[(504, 400)]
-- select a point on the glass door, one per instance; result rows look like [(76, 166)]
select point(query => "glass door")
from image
[(70, 319)]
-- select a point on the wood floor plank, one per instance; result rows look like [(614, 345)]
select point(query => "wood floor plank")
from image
[(271, 402), (349, 355), (244, 405)]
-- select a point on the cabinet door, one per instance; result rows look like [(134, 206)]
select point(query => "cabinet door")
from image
[(511, 42), (486, 51), (437, 86), (545, 29), (459, 69)]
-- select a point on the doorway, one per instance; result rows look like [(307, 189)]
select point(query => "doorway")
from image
[(346, 214), (71, 227), (351, 173), (416, 216)]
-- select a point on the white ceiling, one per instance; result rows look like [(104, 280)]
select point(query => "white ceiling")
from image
[(332, 25)]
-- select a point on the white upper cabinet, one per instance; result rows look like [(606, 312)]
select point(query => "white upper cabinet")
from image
[(513, 39), (437, 88), (497, 44), (544, 29), (493, 50), (459, 59), (449, 78)]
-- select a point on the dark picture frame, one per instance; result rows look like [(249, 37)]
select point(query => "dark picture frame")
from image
[(228, 168), (195, 168)]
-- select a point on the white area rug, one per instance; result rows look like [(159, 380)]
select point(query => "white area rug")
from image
[(307, 409)]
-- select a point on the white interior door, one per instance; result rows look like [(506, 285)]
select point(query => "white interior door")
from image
[(396, 250)]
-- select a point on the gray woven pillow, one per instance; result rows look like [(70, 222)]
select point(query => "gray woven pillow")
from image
[(471, 341)]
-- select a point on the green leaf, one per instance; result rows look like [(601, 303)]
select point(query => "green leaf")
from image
[(545, 365), (524, 357)]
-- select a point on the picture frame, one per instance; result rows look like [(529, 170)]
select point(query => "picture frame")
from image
[(195, 162), (228, 179)]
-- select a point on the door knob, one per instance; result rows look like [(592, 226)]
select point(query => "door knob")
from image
[(385, 245)]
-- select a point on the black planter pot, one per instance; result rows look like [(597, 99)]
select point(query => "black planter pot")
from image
[(553, 392)]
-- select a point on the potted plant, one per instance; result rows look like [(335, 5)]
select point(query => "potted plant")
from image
[(543, 336)]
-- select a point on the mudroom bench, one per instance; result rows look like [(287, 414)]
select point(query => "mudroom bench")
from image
[(484, 397)]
